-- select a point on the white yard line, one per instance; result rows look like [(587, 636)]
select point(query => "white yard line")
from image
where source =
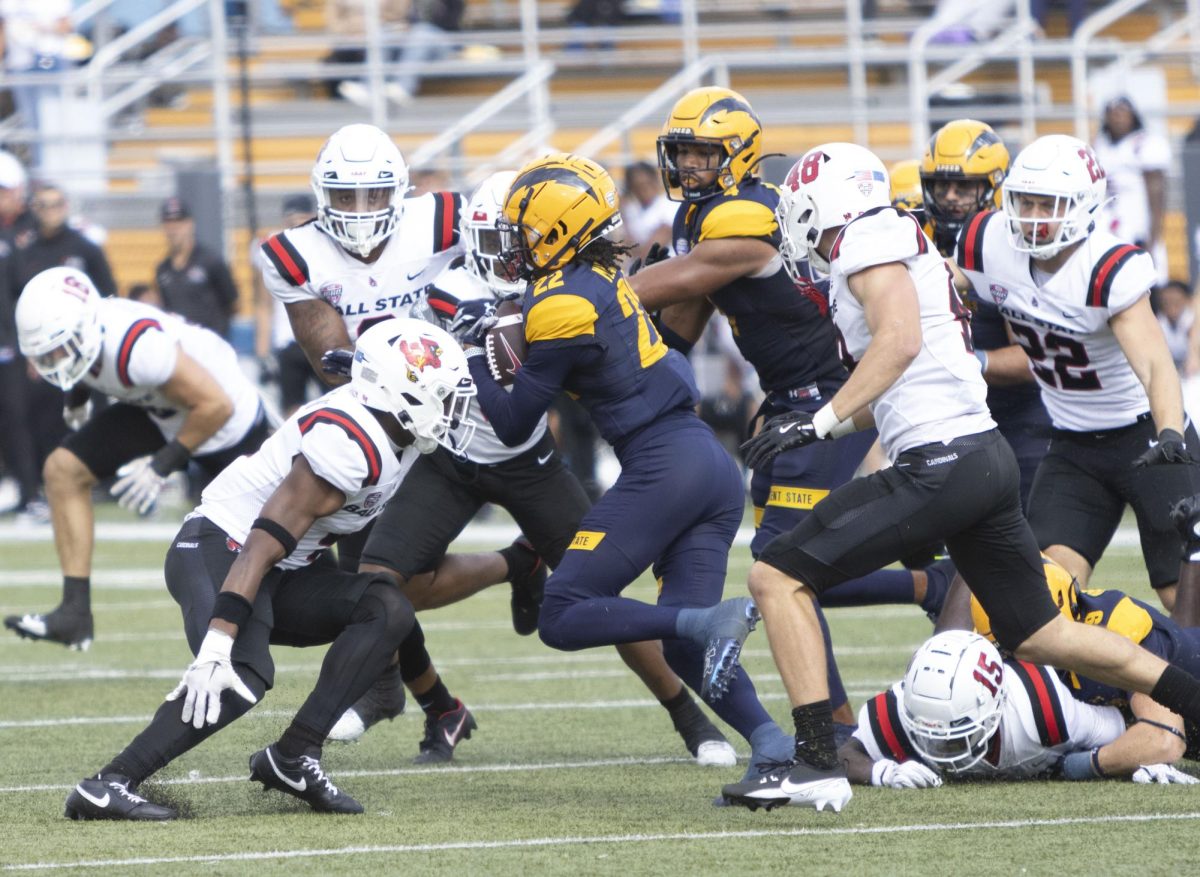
[(622, 839)]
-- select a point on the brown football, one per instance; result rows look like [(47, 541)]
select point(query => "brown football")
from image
[(505, 343)]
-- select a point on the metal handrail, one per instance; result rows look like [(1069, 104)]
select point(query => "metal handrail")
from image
[(1084, 34)]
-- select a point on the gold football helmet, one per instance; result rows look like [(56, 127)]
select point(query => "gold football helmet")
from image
[(1064, 591), (962, 151), (721, 118), (906, 186), (555, 207)]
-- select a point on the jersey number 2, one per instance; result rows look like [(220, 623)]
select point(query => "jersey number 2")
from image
[(1057, 360)]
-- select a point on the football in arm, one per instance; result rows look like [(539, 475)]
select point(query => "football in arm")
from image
[(505, 343)]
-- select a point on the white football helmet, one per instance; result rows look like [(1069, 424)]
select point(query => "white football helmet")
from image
[(418, 373), (828, 187), (479, 230), (360, 180), (1065, 169), (953, 698), (58, 325)]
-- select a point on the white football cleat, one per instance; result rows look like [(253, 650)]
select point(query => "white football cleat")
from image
[(716, 753)]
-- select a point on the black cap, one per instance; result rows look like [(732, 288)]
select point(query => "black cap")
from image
[(174, 208), (300, 203)]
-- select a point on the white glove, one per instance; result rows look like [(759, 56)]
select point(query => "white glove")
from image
[(138, 486), (209, 675), (76, 416), (904, 775), (1163, 774)]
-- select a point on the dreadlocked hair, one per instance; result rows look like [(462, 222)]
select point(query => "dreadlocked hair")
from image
[(605, 253)]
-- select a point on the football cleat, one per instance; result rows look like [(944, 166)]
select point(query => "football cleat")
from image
[(108, 797), (385, 699), (715, 753), (443, 733), (73, 629), (729, 623), (527, 591), (301, 778), (794, 783), (701, 737)]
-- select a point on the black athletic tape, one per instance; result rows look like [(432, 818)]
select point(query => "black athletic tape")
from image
[(233, 608), (277, 532)]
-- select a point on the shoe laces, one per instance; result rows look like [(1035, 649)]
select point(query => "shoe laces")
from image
[(771, 765), (313, 766), (122, 789)]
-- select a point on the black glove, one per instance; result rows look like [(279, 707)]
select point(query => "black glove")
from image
[(337, 362), (1170, 448), (1185, 515), (656, 253), (782, 433), (472, 321)]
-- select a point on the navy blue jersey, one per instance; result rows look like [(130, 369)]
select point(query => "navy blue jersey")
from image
[(781, 329), (589, 335)]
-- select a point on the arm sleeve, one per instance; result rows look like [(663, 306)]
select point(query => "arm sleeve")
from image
[(515, 415), (151, 358), (1088, 726)]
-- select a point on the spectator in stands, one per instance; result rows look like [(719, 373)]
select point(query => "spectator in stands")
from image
[(281, 359), (1135, 161), (15, 216), (646, 210), (33, 41), (345, 19), (1173, 305), (193, 281)]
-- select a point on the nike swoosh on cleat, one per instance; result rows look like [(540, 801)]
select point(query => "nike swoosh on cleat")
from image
[(452, 739), (298, 786), (99, 802)]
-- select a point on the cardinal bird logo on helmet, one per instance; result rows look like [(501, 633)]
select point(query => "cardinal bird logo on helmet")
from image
[(423, 353)]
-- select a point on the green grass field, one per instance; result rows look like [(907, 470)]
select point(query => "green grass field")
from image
[(574, 769)]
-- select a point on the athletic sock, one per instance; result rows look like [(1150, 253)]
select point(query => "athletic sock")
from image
[(437, 700), (77, 595), (814, 735), (690, 721), (300, 740), (1178, 691), (521, 560)]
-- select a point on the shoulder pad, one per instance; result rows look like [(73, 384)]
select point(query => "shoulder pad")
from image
[(560, 316)]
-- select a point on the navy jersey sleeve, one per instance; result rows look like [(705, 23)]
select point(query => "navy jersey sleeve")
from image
[(514, 415)]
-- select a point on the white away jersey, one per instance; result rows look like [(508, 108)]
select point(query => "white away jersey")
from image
[(141, 347), (1127, 212), (1086, 381), (1041, 723), (486, 446), (343, 443), (941, 395), (305, 263)]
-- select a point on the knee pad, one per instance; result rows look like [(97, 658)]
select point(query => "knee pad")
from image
[(382, 603)]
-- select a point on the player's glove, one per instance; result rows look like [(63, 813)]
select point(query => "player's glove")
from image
[(904, 775), (268, 370), (1163, 774), (784, 432), (337, 362), (472, 321), (140, 481), (208, 676), (76, 416), (656, 253), (1170, 448)]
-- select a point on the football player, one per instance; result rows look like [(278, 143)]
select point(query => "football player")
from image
[(953, 477), (906, 192), (250, 568), (728, 244), (965, 712), (587, 333), (961, 172), (180, 396), (367, 257), (529, 480), (1077, 300)]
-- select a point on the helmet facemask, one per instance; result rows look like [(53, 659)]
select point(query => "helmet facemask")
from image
[(65, 357), (800, 233), (1072, 214), (58, 325), (358, 218)]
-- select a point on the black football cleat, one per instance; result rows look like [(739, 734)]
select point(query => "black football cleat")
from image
[(794, 783), (729, 623), (385, 699), (528, 589), (72, 629), (108, 797), (443, 733), (301, 778)]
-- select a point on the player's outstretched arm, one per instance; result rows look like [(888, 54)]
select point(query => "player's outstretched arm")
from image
[(1155, 737), (318, 327), (711, 265)]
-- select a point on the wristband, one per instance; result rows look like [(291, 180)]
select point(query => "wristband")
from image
[(827, 425), (1083, 765), (982, 356), (278, 532), (473, 351), (233, 608), (171, 457)]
